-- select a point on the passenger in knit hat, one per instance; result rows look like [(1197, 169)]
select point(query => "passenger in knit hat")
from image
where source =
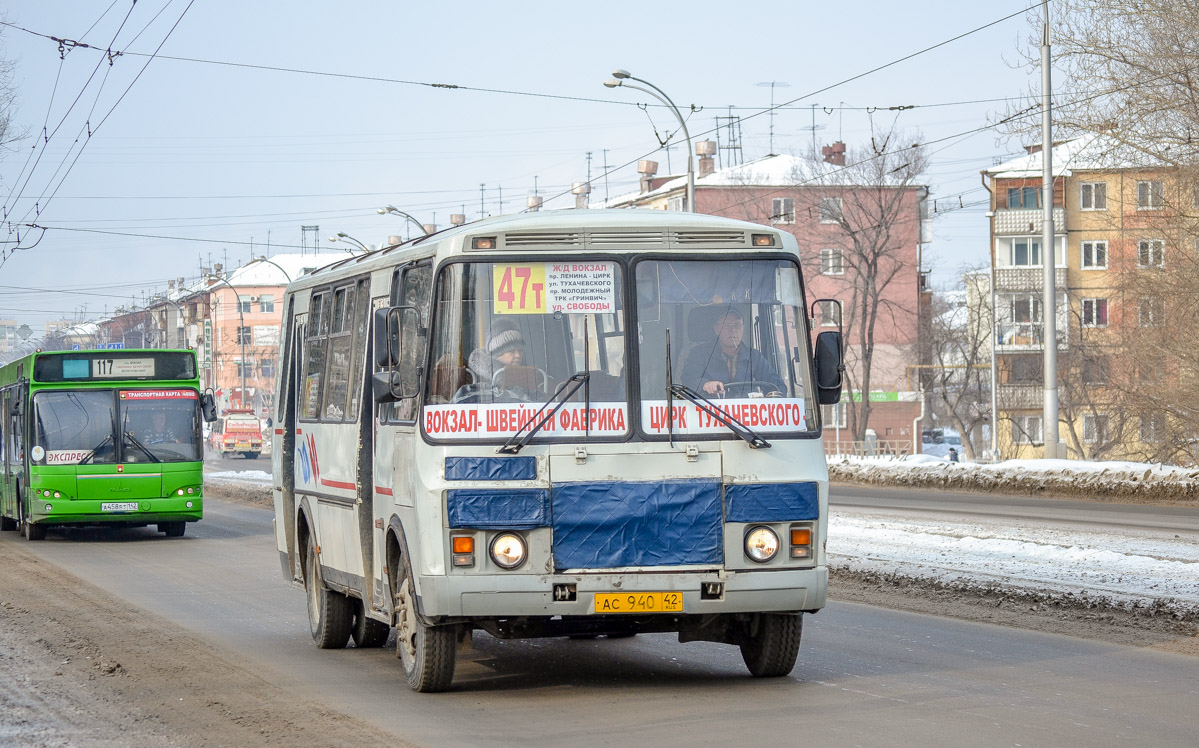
[(505, 347)]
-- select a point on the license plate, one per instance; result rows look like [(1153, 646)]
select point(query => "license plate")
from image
[(639, 602), (118, 506)]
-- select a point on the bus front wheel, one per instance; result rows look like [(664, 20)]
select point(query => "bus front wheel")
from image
[(425, 652), (771, 646), (330, 614)]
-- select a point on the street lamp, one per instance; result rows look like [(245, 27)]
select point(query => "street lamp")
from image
[(342, 236), (393, 209), (286, 274), (619, 78), (241, 335)]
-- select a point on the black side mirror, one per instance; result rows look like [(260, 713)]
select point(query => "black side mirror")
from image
[(399, 365), (208, 406), (830, 367), (386, 337)]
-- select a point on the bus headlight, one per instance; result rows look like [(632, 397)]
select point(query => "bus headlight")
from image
[(761, 544), (508, 550)]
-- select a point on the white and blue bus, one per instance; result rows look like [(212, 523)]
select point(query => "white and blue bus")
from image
[(571, 423)]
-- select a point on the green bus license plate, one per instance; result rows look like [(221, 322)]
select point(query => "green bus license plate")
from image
[(119, 506), (639, 602)]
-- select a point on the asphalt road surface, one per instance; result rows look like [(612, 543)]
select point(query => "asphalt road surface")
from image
[(866, 676)]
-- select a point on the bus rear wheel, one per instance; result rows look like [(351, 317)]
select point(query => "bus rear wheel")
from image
[(367, 632), (173, 529), (425, 652), (8, 523), (772, 645), (330, 614)]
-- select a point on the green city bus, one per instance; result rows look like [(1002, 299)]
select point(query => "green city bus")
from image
[(102, 437)]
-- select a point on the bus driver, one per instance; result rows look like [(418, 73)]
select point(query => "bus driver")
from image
[(711, 369)]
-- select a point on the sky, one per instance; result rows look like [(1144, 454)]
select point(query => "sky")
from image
[(305, 113), (1114, 563)]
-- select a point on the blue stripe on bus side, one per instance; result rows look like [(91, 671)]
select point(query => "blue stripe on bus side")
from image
[(771, 502), (490, 468), (502, 509)]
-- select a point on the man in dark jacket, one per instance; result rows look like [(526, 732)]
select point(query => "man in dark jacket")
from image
[(728, 360)]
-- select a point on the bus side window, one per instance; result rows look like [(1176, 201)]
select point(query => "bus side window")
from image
[(314, 358), (362, 310), (415, 283)]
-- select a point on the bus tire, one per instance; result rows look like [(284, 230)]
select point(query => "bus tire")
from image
[(173, 529), (34, 532), (772, 646), (367, 632), (330, 613), (425, 652), (251, 455), (8, 523)]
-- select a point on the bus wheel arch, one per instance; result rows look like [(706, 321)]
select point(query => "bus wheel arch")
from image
[(427, 653)]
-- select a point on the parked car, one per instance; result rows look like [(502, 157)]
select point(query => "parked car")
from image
[(237, 432), (938, 442)]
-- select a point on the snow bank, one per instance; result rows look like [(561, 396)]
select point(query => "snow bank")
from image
[(1110, 480)]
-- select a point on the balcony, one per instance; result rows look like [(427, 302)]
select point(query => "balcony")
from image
[(1019, 397), (1023, 221), (1027, 278)]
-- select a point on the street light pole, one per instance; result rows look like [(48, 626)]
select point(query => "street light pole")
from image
[(618, 79), (342, 236), (241, 322), (394, 210), (1048, 253)]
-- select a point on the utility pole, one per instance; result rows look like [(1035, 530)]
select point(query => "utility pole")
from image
[(1048, 251), (482, 209)]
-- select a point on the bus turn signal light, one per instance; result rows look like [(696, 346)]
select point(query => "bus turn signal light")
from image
[(801, 542), (464, 550), (763, 240)]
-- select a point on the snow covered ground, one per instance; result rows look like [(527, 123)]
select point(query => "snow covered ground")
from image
[(1127, 568)]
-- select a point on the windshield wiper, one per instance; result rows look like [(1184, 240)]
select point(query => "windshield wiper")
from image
[(92, 452), (706, 405), (516, 442), (133, 440)]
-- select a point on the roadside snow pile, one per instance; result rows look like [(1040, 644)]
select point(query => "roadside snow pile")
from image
[(1123, 480), (1122, 568), (253, 484)]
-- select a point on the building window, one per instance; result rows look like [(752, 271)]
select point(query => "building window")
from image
[(832, 262), (1023, 197), (1094, 312), (1095, 428), (830, 210), (1151, 253), (834, 416), (1153, 427), (1094, 371), (782, 210), (1026, 252), (1094, 255), (266, 303), (1150, 311), (829, 313), (1094, 196), (678, 204), (1027, 430), (1150, 196), (1027, 369), (243, 304), (243, 335), (245, 369), (1026, 309), (266, 368)]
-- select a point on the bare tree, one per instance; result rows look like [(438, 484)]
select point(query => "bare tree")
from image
[(866, 215), (958, 352)]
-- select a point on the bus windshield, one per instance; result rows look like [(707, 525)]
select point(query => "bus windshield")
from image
[(80, 427), (509, 337), (730, 331)]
